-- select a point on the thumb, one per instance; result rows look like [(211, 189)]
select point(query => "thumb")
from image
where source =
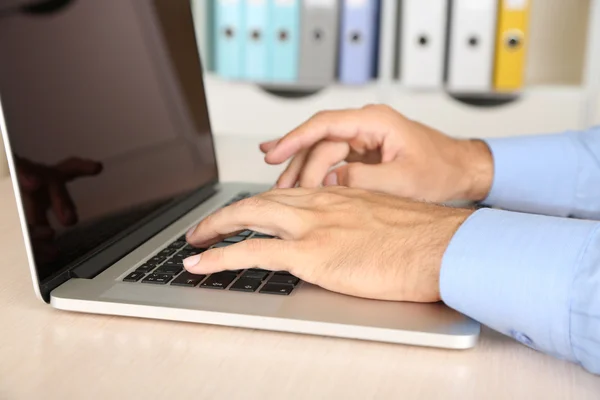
[(361, 176)]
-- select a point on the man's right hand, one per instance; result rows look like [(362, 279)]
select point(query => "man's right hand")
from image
[(385, 152)]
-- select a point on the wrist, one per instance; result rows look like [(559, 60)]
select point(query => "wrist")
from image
[(477, 166)]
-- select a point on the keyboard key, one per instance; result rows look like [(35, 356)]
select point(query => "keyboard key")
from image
[(158, 279), (287, 279), (282, 273), (218, 281), (222, 244), (174, 261), (134, 277), (277, 288), (178, 244), (234, 239), (258, 274), (246, 285), (245, 233), (157, 260), (169, 269), (145, 268), (167, 252), (187, 279), (262, 236), (188, 253)]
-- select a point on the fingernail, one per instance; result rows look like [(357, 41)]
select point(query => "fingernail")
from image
[(190, 231), (192, 261), (331, 179)]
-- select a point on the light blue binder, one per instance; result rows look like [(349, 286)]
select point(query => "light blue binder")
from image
[(229, 35), (284, 39), (256, 54), (359, 41)]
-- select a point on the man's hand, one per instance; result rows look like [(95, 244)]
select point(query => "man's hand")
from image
[(385, 152), (345, 240)]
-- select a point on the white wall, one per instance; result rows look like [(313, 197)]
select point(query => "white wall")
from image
[(557, 32)]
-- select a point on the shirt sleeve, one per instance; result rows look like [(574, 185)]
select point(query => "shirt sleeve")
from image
[(553, 174), (535, 278)]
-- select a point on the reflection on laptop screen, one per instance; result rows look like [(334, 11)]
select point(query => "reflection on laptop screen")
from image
[(106, 116)]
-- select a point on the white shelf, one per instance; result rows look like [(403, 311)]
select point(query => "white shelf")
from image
[(563, 90), (245, 110)]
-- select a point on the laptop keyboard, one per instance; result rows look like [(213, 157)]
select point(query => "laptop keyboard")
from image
[(166, 268)]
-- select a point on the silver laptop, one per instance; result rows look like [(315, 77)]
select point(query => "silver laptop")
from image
[(109, 143)]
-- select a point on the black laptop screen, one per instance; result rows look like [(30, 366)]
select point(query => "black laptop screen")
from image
[(106, 115)]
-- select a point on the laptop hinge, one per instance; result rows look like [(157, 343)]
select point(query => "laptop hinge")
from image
[(108, 256)]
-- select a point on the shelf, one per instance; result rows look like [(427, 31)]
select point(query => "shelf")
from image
[(246, 110)]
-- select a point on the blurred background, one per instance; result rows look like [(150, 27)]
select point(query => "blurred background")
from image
[(471, 68)]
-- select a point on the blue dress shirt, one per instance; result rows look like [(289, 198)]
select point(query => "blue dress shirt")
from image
[(532, 269)]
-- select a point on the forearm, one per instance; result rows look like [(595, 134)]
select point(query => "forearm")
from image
[(555, 174), (532, 277)]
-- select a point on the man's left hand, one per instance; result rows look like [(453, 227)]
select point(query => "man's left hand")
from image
[(345, 240)]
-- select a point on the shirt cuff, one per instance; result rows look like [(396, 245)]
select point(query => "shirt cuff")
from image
[(513, 272), (534, 174)]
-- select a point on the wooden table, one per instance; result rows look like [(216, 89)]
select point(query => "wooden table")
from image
[(50, 354)]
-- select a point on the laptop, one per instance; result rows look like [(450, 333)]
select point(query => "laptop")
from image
[(110, 148)]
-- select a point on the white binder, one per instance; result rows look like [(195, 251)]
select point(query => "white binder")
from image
[(422, 42), (472, 46)]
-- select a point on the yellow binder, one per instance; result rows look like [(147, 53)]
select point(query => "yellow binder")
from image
[(511, 44)]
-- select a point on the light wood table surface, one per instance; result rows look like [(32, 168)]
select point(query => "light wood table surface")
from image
[(51, 354)]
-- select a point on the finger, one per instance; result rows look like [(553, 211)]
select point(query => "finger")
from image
[(75, 167), (62, 203), (337, 125), (255, 214), (269, 254), (267, 146), (322, 157), (290, 175), (359, 175)]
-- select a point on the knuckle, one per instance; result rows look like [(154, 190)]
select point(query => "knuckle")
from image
[(320, 115), (251, 203), (381, 108), (254, 245), (215, 255), (352, 175), (321, 198)]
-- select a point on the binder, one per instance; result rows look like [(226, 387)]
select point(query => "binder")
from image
[(319, 39), (358, 41), (202, 16), (229, 38), (284, 39), (472, 45), (423, 43), (511, 44), (256, 57)]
